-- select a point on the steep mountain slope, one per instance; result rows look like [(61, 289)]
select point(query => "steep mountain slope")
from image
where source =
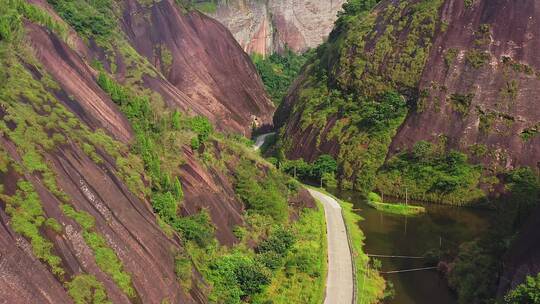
[(107, 191), (205, 70), (265, 27), (466, 72)]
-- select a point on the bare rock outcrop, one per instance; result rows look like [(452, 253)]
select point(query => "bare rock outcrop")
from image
[(265, 27)]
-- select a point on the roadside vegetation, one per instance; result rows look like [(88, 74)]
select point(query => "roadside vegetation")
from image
[(371, 286), (303, 278), (322, 171), (375, 201)]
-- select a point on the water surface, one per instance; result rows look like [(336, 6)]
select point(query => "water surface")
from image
[(440, 227)]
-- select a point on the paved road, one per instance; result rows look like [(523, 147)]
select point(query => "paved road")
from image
[(259, 142), (340, 280)]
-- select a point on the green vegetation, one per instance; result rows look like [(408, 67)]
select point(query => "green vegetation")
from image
[(27, 217), (429, 173), (37, 127), (153, 129), (474, 276), (279, 71), (286, 260), (518, 66), (450, 56), (37, 124), (85, 289), (89, 18), (358, 83), (205, 6), (462, 103), (375, 201), (11, 26), (323, 169), (262, 195), (236, 274), (302, 279), (529, 133), (526, 292), (477, 58), (106, 258)]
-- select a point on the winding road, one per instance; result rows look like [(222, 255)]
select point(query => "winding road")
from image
[(340, 280), (259, 141)]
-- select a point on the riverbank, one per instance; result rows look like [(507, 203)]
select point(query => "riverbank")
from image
[(375, 201)]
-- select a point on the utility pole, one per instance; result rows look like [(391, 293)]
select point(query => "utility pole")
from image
[(440, 247), (406, 196)]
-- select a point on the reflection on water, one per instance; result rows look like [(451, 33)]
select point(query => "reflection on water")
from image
[(441, 226)]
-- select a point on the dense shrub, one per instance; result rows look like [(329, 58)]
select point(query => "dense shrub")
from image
[(427, 173), (267, 196), (324, 166), (197, 228), (527, 292), (238, 276), (92, 18), (279, 71), (85, 289), (280, 242)]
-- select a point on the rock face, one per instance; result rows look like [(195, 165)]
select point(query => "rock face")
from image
[(206, 72), (474, 79), (523, 258), (504, 90), (265, 27)]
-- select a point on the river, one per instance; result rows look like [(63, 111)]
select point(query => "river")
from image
[(387, 234)]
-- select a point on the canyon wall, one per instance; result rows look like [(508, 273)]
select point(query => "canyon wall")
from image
[(268, 26)]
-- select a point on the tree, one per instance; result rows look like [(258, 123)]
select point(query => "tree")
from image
[(527, 292), (324, 164), (202, 126), (175, 120), (329, 180), (177, 189), (279, 242), (165, 205)]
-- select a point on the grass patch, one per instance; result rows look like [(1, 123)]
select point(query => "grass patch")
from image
[(374, 200), (106, 258), (85, 289)]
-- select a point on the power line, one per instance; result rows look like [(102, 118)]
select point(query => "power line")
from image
[(408, 270), (396, 256)]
